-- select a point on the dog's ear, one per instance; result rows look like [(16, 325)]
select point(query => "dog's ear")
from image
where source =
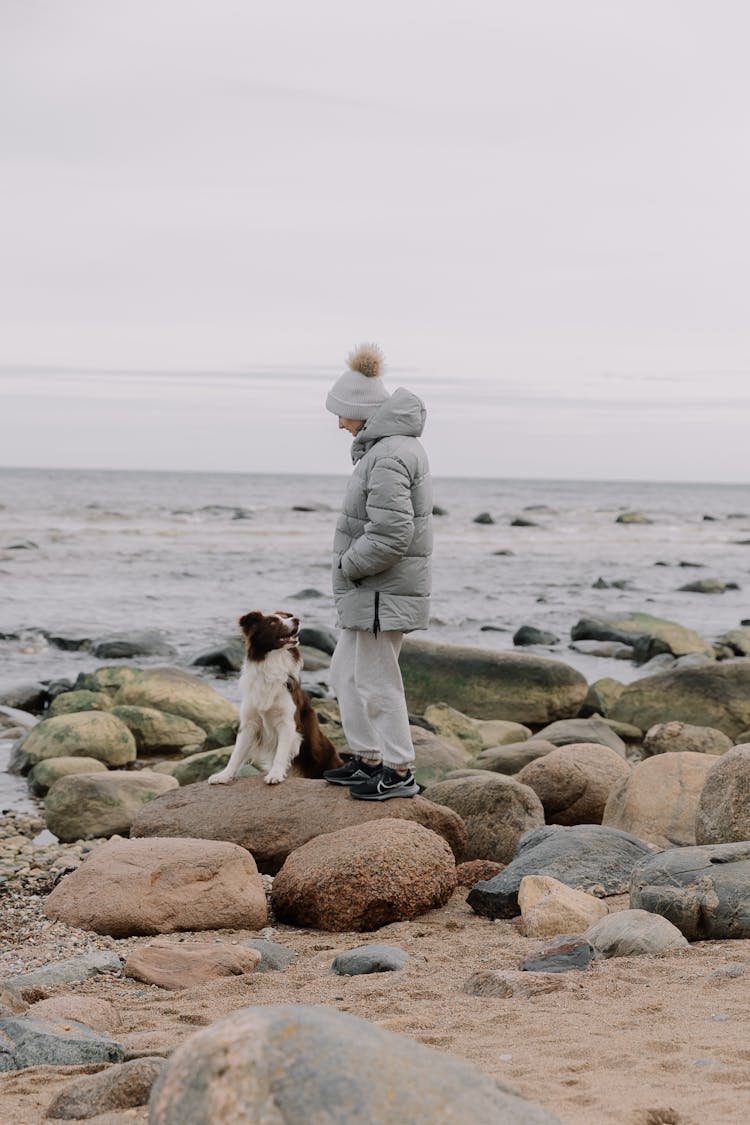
[(248, 621)]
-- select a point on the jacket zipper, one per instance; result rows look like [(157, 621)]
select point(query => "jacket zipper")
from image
[(376, 622)]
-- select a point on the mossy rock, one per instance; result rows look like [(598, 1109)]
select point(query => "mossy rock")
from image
[(199, 767), (84, 734), (223, 735), (109, 678), (601, 697), (46, 773), (436, 757), (329, 718), (158, 732), (88, 806), (68, 702), (501, 732), (709, 695), (178, 693), (453, 726), (649, 636)]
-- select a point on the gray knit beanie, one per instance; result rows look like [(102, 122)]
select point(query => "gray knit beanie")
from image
[(359, 391)]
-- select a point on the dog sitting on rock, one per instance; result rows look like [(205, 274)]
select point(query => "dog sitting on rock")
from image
[(277, 724)]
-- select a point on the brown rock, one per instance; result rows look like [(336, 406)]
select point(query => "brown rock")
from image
[(118, 1087), (658, 800), (171, 964), (272, 821), (363, 877), (549, 908), (158, 886), (512, 757), (573, 782), (476, 870), (12, 1002), (512, 982), (496, 810), (91, 1010), (670, 738), (723, 810)]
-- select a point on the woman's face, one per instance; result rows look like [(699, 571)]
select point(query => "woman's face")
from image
[(352, 425)]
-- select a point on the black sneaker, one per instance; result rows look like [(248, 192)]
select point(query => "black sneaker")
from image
[(386, 783), (354, 772)]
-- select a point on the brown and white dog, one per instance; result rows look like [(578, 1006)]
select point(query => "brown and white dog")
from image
[(277, 723)]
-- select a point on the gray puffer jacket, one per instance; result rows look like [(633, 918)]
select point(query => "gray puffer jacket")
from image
[(383, 541)]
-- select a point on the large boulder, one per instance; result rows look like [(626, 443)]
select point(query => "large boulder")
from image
[(108, 679), (658, 799), (86, 806), (363, 877), (273, 820), (512, 758), (649, 635), (595, 859), (49, 770), (284, 1063), (629, 933), (178, 693), (670, 738), (84, 734), (490, 685), (434, 757), (128, 887), (569, 732), (496, 810), (548, 907), (68, 702), (158, 732), (573, 782), (704, 891), (723, 806), (711, 695), (185, 964)]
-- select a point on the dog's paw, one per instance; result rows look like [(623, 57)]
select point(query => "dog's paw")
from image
[(220, 778), (274, 778)]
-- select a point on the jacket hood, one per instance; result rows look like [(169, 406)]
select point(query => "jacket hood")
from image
[(402, 415)]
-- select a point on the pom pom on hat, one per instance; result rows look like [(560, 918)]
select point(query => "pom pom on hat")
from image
[(367, 359)]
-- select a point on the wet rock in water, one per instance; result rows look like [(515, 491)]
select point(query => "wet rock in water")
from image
[(364, 877), (670, 738), (484, 518), (596, 859), (704, 891), (601, 697), (573, 782), (569, 732), (318, 636), (629, 933), (490, 685), (658, 800), (738, 640), (454, 727), (633, 517), (549, 907), (714, 695), (530, 635), (85, 734), (273, 820), (302, 1051), (24, 697), (435, 757), (477, 870), (307, 593), (128, 887), (109, 679), (505, 552), (512, 758), (273, 957), (723, 806), (369, 959), (185, 964), (120, 1087), (157, 732), (67, 702), (70, 971), (613, 650), (438, 511), (88, 806), (705, 586), (560, 955), (226, 657), (96, 1013), (119, 646), (505, 983), (46, 773), (179, 693), (26, 1042), (649, 635), (496, 811), (522, 521)]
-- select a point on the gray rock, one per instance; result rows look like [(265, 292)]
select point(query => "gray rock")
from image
[(560, 955), (227, 657), (569, 732), (512, 758), (273, 957), (648, 635), (587, 856), (522, 521), (704, 891), (86, 806), (317, 636), (723, 811), (632, 517), (26, 1042), (601, 697), (47, 772), (24, 697), (529, 635), (369, 959), (68, 972), (631, 932), (296, 1064), (705, 586), (118, 1087), (146, 642), (484, 518)]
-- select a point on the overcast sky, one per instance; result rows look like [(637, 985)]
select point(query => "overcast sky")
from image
[(539, 210)]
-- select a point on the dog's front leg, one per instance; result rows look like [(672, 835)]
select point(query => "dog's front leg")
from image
[(287, 749), (246, 739)]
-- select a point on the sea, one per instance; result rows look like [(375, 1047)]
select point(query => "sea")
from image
[(91, 554)]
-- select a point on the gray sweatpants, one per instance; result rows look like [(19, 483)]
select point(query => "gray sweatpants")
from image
[(366, 680)]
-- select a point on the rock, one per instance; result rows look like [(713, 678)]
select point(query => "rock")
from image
[(713, 695), (512, 758), (273, 957), (522, 521), (108, 679), (369, 959), (70, 971), (573, 782), (86, 734), (318, 636), (12, 1002), (595, 859), (227, 657), (611, 649), (364, 877), (649, 635), (199, 767), (484, 518), (178, 693), (273, 820), (571, 732), (549, 908), (300, 1053), (512, 982), (26, 1042), (128, 887), (529, 635), (704, 586), (665, 738), (738, 640), (146, 642), (500, 732), (24, 697), (97, 1014), (496, 811), (87, 806), (475, 870), (601, 697), (628, 933), (454, 727), (704, 891), (626, 731), (69, 702), (490, 685), (434, 756), (632, 517), (47, 772), (657, 800), (313, 660), (158, 732), (563, 953), (723, 805), (119, 1087), (185, 964)]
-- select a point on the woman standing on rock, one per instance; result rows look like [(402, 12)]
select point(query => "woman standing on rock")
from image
[(381, 574)]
